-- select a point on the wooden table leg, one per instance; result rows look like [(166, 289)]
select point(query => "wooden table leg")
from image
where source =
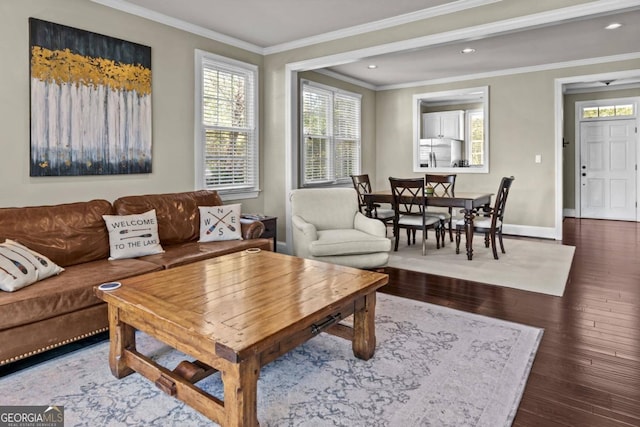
[(121, 337), (364, 331), (241, 393)]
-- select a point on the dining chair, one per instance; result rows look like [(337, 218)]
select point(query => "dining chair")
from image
[(443, 186), (489, 222), (363, 186), (409, 205)]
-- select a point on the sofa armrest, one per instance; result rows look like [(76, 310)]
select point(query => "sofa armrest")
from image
[(307, 229), (251, 229), (368, 225)]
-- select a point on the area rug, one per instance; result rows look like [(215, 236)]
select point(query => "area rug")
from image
[(529, 265), (433, 366)]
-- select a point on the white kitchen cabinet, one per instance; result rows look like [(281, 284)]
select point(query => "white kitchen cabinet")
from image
[(444, 124)]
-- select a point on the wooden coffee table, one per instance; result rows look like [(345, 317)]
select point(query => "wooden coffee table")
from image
[(234, 314)]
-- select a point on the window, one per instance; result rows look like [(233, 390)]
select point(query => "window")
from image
[(476, 137), (226, 143), (330, 142), (609, 110)]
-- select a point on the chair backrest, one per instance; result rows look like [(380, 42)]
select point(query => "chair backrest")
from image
[(326, 208), (501, 200), (443, 185), (408, 196), (362, 186)]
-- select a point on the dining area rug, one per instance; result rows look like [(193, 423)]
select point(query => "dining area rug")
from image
[(433, 366), (529, 265)]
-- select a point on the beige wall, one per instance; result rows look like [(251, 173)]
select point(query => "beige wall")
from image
[(172, 54), (569, 134), (521, 116)]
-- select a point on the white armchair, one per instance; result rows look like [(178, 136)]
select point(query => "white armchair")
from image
[(328, 226)]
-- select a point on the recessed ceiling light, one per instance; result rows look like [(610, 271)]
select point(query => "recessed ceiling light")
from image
[(372, 66), (613, 26), (468, 50)]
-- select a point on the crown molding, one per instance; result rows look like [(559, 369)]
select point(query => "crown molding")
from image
[(382, 24), (142, 12), (543, 18), (432, 12)]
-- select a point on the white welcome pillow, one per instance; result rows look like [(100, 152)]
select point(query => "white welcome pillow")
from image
[(132, 236), (20, 266), (220, 223)]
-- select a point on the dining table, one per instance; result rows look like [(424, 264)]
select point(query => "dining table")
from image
[(467, 201)]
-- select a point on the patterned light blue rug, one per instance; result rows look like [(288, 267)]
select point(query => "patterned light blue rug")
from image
[(433, 366)]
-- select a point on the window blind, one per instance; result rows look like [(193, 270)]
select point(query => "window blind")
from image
[(330, 134), (228, 130)]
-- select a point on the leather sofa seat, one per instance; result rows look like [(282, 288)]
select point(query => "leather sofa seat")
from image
[(70, 291)]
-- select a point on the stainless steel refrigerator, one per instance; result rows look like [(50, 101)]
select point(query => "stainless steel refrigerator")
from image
[(440, 152)]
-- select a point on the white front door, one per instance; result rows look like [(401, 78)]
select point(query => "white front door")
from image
[(608, 169)]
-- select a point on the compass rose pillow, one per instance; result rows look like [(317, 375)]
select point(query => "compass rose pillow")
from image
[(220, 223)]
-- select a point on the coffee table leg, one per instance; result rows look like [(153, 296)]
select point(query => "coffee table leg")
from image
[(121, 337), (364, 331), (241, 393)]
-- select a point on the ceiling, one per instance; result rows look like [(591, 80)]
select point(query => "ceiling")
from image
[(532, 42)]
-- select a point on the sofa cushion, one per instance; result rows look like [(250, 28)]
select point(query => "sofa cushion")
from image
[(72, 290), (185, 253), (220, 223), (132, 236), (347, 242), (20, 266), (67, 234), (177, 213)]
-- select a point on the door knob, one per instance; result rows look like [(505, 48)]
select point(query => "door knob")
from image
[(584, 174)]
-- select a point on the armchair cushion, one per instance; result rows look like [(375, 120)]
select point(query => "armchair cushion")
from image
[(348, 242)]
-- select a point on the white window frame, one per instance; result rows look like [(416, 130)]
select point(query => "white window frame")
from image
[(251, 189), (332, 138)]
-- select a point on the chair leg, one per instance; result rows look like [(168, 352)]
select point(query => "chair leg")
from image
[(414, 235), (409, 237), (443, 231), (424, 242), (493, 245), (457, 240), (500, 239), (486, 240), (450, 230)]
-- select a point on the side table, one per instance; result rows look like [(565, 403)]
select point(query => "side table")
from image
[(270, 226)]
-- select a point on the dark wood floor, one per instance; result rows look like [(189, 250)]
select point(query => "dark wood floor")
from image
[(587, 369)]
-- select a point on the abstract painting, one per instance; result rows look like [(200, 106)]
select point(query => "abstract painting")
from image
[(90, 103)]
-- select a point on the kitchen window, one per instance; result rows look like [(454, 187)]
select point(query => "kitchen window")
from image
[(330, 140)]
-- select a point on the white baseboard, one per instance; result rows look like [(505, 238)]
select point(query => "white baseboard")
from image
[(569, 213), (529, 231)]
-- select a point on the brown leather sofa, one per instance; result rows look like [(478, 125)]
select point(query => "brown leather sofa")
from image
[(62, 309)]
